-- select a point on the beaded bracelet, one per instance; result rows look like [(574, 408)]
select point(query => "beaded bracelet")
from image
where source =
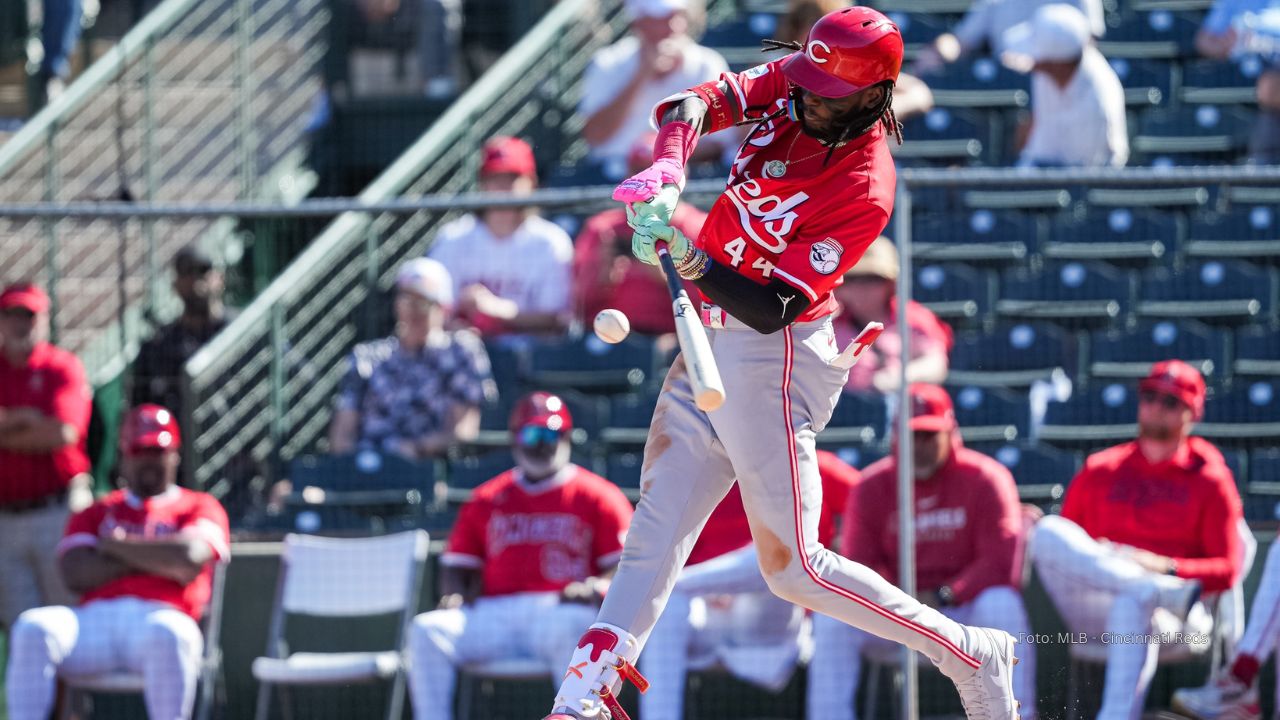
[(694, 265)]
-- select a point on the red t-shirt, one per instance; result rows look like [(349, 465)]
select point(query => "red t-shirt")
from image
[(53, 382), (1186, 508), (638, 290), (727, 528), (540, 538), (175, 511), (968, 524), (809, 226)]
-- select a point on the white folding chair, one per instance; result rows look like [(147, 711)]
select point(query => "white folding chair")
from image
[(80, 687), (342, 578)]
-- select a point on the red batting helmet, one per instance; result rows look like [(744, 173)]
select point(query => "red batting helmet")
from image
[(149, 427), (541, 409), (847, 51)]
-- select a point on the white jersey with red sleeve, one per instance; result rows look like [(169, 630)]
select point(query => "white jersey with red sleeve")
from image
[(539, 537), (789, 211), (173, 512)]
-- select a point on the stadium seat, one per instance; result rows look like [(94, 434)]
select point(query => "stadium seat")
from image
[(1262, 493), (990, 414), (957, 293), (467, 472), (1206, 133), (979, 83), (590, 364), (1115, 235), (976, 236), (1246, 232), (1211, 291), (623, 470), (1153, 34), (746, 32), (859, 419), (1250, 411), (943, 135), (1238, 461), (1146, 82), (1102, 414), (362, 492), (919, 29), (1012, 355), (1071, 294), (629, 419), (1258, 351), (1221, 83), (1130, 353), (1042, 472), (859, 456)]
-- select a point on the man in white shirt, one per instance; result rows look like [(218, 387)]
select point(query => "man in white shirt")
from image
[(986, 23), (629, 77), (1077, 102), (510, 267)]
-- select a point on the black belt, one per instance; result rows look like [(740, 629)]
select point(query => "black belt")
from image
[(33, 504)]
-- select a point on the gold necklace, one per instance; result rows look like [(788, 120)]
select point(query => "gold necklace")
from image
[(778, 168)]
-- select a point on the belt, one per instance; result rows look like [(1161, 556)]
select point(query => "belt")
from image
[(714, 317), (33, 504)]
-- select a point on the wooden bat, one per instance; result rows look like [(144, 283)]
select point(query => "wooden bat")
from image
[(708, 389)]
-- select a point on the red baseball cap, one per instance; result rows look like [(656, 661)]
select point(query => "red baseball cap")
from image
[(508, 155), (1179, 380), (149, 427), (24, 295), (540, 409), (931, 408)]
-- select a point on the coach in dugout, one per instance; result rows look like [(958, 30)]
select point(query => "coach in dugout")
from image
[(968, 532), (1146, 526), (142, 560)]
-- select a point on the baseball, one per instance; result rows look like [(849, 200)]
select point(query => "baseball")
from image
[(612, 326)]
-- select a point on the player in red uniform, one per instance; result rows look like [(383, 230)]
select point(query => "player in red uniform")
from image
[(142, 560), (812, 186), (526, 563)]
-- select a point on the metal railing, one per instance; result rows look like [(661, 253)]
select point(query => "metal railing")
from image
[(202, 101)]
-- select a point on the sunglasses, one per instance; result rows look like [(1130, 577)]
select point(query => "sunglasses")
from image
[(17, 312), (1168, 402), (532, 435)]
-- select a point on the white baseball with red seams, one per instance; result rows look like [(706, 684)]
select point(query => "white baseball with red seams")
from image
[(611, 326)]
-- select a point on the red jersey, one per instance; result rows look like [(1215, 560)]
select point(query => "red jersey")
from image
[(638, 290), (812, 224), (53, 382), (727, 528), (539, 538), (1186, 508), (177, 510), (968, 524)]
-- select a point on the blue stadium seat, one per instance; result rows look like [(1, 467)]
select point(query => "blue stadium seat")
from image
[(1042, 472), (362, 492), (1146, 82), (975, 236), (919, 29), (1249, 412), (1221, 83), (1205, 133), (990, 414), (1246, 232), (1116, 235), (943, 135), (954, 292), (859, 456), (1258, 351), (980, 82), (1012, 355), (623, 469), (859, 419), (746, 32), (629, 419), (468, 472), (1153, 34), (1238, 461), (1262, 494), (1102, 414), (587, 363), (1071, 294), (1130, 353), (1211, 291)]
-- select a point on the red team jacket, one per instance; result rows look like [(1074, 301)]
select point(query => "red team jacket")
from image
[(968, 524), (811, 225), (177, 510), (539, 538), (54, 383), (1186, 508)]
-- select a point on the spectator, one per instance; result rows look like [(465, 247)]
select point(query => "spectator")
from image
[(59, 31), (911, 96), (626, 79), (985, 26), (418, 392), (722, 611), (869, 294), (510, 267), (606, 276), (1234, 693), (142, 559), (1145, 526), (526, 565), (157, 373), (44, 417), (1077, 102), (968, 537), (1236, 29)]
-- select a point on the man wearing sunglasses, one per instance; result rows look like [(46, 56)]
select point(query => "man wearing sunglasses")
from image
[(1146, 528), (526, 565)]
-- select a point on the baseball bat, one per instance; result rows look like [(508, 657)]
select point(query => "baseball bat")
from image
[(708, 389)]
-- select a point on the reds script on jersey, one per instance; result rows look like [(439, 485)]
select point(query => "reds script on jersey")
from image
[(809, 226), (540, 537), (177, 510)]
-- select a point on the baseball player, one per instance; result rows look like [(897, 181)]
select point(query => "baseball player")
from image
[(142, 560), (526, 563), (721, 610), (1146, 526), (968, 534), (811, 187)]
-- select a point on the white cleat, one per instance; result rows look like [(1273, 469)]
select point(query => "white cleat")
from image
[(1224, 699), (988, 693)]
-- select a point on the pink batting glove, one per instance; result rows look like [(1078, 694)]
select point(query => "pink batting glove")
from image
[(644, 185)]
